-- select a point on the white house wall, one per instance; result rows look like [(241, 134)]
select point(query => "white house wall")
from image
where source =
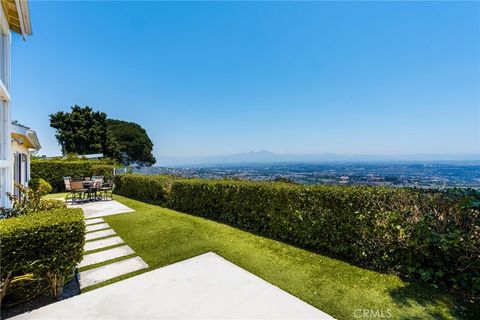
[(6, 172)]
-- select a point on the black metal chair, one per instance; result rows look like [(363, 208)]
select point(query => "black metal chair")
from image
[(92, 191), (105, 189)]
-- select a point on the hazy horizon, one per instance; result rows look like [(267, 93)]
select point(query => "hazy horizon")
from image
[(264, 156)]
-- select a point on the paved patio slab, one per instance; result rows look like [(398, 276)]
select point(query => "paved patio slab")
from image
[(99, 234), (93, 221), (105, 255), (101, 208), (96, 227), (94, 276), (102, 243), (203, 287)]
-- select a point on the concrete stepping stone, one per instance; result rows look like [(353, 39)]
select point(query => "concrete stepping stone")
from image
[(94, 276), (97, 227), (93, 221), (102, 243), (99, 234), (105, 255)]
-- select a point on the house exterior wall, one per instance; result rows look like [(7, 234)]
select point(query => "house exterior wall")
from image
[(6, 172)]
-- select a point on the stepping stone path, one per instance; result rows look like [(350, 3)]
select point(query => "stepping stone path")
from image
[(100, 237), (98, 226)]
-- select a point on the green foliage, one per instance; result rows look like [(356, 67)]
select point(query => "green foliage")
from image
[(83, 131), (51, 204), (46, 243), (147, 188), (39, 184), (27, 200), (104, 170), (133, 142), (53, 171), (427, 234)]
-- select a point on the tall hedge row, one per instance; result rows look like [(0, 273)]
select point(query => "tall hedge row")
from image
[(46, 243), (53, 171), (153, 189), (428, 234)]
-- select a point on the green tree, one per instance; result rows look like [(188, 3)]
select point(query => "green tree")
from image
[(84, 131), (133, 142)]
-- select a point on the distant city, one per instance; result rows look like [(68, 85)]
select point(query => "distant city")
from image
[(446, 174)]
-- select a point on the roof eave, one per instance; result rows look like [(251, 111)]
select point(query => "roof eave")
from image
[(24, 17)]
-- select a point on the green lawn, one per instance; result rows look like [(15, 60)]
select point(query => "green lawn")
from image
[(162, 236)]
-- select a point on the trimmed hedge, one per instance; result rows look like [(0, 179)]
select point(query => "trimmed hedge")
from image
[(53, 171), (153, 189), (428, 234), (47, 243)]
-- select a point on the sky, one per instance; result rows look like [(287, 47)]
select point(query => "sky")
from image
[(216, 78)]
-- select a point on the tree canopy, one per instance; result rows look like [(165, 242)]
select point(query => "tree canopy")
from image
[(133, 142), (85, 131)]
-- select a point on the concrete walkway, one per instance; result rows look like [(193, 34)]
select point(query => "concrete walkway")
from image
[(101, 208), (203, 287), (113, 257)]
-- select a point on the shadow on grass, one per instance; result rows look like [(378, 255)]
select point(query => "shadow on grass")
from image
[(434, 299)]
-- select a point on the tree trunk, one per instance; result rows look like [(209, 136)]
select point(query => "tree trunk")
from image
[(4, 286), (56, 283)]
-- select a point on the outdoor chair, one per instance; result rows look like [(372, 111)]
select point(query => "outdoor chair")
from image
[(68, 188), (93, 189), (105, 189), (77, 190), (97, 178)]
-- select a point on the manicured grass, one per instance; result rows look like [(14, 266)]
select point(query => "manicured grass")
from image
[(55, 195), (162, 236)]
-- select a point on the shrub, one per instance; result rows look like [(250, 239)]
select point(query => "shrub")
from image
[(104, 170), (53, 171), (432, 235), (39, 184), (27, 201), (427, 234), (46, 243), (50, 204), (147, 188)]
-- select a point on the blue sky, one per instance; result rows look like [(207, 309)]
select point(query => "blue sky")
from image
[(220, 78)]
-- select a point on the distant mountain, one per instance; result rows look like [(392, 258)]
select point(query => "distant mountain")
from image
[(270, 157)]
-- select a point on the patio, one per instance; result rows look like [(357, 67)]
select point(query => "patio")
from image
[(203, 287), (101, 208)]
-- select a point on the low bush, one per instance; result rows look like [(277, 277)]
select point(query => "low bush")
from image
[(39, 184), (48, 244), (50, 204), (29, 200), (153, 189), (53, 171)]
